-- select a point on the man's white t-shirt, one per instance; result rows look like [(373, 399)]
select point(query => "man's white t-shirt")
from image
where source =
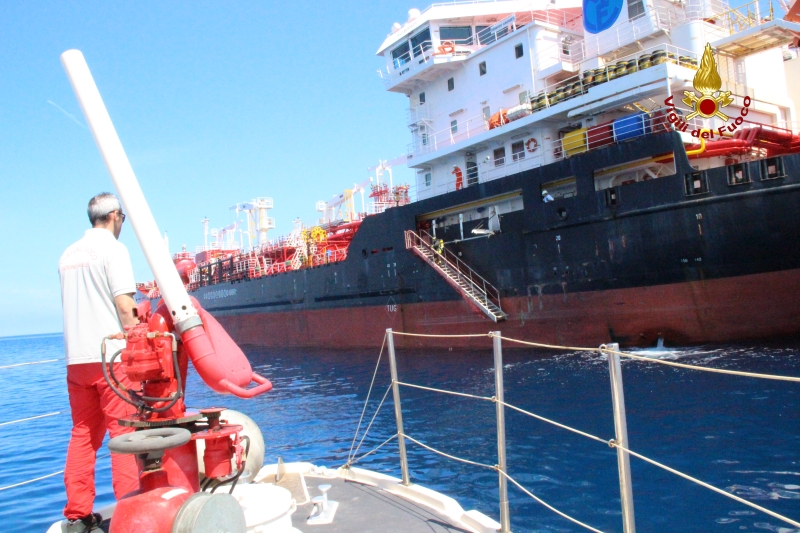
[(93, 272)]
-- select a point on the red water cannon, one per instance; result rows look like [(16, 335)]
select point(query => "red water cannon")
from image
[(156, 357)]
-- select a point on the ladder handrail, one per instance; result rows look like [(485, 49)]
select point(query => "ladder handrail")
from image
[(490, 292)]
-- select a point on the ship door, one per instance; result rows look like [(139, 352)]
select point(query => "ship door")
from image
[(472, 170)]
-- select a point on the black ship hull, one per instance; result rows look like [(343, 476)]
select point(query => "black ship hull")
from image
[(716, 265)]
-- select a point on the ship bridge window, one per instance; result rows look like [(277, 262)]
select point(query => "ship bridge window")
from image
[(635, 9), (772, 168), (696, 183), (500, 157), (518, 150), (459, 35), (738, 174), (563, 188), (421, 42), (483, 36), (400, 55)]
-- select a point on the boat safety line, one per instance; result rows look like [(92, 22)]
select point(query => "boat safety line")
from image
[(453, 457), (446, 392), (31, 418), (543, 419), (442, 336), (366, 402), (704, 368), (603, 349), (30, 481), (31, 363), (375, 449), (21, 483), (613, 444), (366, 431), (552, 346), (526, 491)]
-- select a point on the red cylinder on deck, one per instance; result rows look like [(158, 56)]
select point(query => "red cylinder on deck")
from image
[(151, 509)]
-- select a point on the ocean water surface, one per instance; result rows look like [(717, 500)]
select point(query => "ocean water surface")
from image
[(737, 433)]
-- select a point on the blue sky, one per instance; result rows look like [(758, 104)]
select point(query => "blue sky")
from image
[(215, 103)]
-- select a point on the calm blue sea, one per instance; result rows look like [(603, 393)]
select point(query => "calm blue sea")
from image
[(737, 433)]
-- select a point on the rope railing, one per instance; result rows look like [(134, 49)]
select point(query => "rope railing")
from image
[(453, 457), (354, 460), (620, 442), (605, 350), (31, 418), (548, 346), (706, 485), (366, 402), (539, 500), (442, 336), (442, 391), (40, 478), (497, 469), (31, 363), (704, 368), (366, 431), (553, 422)]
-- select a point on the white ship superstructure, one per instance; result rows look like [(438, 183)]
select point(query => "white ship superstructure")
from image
[(499, 87)]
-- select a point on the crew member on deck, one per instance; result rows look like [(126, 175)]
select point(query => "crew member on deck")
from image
[(97, 288), (546, 197)]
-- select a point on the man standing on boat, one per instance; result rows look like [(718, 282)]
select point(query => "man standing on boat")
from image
[(97, 288)]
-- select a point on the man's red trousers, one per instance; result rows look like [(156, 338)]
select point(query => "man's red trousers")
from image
[(95, 409)]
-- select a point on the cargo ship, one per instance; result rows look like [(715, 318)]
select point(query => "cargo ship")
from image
[(593, 172)]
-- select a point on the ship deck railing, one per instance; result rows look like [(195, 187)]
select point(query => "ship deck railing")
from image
[(254, 264), (552, 95), (498, 463), (721, 19)]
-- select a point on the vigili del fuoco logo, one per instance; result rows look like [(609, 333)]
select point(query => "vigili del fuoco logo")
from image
[(710, 101)]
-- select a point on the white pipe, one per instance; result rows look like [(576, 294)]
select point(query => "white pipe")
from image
[(130, 193)]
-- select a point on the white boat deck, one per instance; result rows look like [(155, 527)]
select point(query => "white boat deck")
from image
[(367, 509)]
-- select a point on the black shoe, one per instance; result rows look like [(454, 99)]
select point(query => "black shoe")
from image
[(85, 524)]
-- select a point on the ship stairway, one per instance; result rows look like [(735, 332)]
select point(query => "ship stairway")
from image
[(472, 287)]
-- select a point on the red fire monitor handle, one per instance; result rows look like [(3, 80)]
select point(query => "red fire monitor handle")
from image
[(264, 385)]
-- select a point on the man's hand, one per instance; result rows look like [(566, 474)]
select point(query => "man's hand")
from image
[(126, 309)]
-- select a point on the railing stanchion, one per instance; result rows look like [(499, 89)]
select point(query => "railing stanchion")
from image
[(398, 413), (621, 429), (505, 521)]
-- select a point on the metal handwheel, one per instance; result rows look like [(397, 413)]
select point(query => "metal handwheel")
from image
[(149, 440)]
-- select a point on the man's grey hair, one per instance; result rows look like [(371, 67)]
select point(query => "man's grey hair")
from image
[(101, 206)]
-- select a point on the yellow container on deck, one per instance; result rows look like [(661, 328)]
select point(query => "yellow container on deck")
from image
[(574, 142)]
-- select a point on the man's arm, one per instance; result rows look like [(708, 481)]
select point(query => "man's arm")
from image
[(126, 308)]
